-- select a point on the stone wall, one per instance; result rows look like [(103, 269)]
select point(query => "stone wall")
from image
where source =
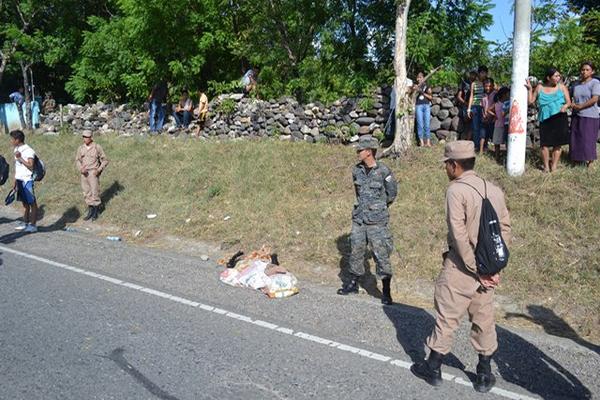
[(234, 116)]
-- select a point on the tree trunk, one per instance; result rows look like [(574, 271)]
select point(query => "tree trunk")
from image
[(27, 92), (517, 128), (404, 120)]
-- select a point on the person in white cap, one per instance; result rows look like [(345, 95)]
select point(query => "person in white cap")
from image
[(91, 161)]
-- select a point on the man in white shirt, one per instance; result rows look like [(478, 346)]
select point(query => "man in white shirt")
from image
[(24, 160)]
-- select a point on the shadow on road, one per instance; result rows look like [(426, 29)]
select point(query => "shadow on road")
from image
[(368, 280), (553, 325), (117, 357), (69, 216), (519, 362)]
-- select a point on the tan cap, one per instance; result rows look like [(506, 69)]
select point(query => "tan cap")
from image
[(86, 133), (367, 142), (459, 150)]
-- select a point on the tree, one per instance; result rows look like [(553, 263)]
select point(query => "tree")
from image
[(404, 122)]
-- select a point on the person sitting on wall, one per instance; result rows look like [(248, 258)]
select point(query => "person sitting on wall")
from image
[(49, 104), (249, 81), (183, 110)]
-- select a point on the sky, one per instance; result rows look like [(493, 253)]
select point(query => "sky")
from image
[(503, 21)]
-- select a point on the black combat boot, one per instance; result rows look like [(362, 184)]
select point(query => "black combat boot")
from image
[(350, 287), (429, 370), (95, 214), (90, 213), (485, 380), (386, 295)]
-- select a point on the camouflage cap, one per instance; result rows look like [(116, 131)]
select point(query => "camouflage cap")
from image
[(459, 150), (367, 142), (86, 133)]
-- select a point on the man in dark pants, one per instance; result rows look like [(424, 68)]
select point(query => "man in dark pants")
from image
[(376, 189)]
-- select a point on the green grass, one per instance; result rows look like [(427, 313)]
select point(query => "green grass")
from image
[(298, 198)]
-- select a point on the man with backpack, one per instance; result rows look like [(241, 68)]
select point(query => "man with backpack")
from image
[(476, 252), (24, 166)]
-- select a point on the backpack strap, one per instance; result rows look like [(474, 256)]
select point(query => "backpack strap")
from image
[(475, 189)]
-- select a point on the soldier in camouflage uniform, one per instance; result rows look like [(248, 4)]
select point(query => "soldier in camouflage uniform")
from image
[(376, 189)]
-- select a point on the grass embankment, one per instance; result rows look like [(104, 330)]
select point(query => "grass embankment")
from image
[(298, 198)]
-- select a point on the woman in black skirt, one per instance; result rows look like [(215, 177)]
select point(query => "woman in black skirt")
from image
[(553, 100)]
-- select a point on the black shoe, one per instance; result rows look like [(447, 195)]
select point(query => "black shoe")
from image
[(485, 380), (95, 213), (429, 370), (350, 287), (386, 295), (90, 213)]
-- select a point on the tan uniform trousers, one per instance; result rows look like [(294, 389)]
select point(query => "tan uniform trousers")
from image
[(91, 188), (456, 295)]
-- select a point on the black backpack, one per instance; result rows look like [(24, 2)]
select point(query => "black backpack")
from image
[(39, 169), (4, 170), (491, 252)]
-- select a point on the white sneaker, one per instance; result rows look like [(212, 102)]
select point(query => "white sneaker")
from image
[(30, 228), (21, 226)]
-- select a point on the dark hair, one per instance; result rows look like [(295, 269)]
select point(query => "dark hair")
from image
[(482, 68), (466, 164), (489, 80), (185, 91), (421, 72), (18, 135), (588, 63), (549, 72), (501, 93)]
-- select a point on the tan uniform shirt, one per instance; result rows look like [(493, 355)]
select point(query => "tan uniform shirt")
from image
[(91, 157), (463, 210)]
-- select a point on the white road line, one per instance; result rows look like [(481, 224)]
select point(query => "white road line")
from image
[(242, 318)]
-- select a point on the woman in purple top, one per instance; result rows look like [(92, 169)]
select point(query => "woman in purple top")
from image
[(586, 119)]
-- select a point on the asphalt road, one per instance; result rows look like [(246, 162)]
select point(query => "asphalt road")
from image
[(85, 318)]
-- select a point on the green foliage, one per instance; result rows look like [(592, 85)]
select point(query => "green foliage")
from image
[(560, 52), (366, 103), (213, 191), (115, 50), (226, 107)]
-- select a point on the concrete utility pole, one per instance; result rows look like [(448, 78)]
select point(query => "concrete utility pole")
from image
[(517, 129)]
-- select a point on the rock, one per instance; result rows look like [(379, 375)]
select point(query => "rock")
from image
[(454, 111), (436, 90), (442, 134), (204, 257), (436, 101), (446, 103), (435, 110), (443, 114), (236, 96), (434, 125), (305, 130), (314, 132), (446, 124), (455, 123), (353, 114), (364, 130), (365, 121)]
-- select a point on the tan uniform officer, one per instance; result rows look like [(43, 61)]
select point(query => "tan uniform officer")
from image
[(459, 289), (91, 161)]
